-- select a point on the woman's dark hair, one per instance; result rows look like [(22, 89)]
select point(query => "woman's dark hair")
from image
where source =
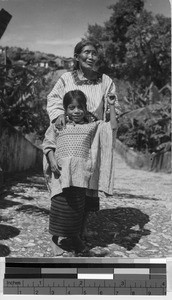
[(78, 49), (75, 95)]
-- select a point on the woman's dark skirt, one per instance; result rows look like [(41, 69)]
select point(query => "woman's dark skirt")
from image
[(67, 211), (92, 204)]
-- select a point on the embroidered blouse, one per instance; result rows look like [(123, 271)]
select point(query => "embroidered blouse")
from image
[(96, 92), (77, 152)]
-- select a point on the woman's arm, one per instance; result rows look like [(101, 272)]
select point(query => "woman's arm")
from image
[(111, 102), (55, 100), (110, 88), (49, 142)]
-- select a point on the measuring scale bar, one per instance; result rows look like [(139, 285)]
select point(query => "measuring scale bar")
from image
[(85, 278)]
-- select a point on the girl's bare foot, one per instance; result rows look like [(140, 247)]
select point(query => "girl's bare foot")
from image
[(57, 250)]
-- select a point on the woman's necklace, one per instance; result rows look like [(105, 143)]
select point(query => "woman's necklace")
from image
[(81, 75), (88, 75), (83, 78)]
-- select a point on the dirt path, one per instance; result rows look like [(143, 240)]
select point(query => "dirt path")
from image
[(135, 222)]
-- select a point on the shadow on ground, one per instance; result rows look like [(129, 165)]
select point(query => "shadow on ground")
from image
[(32, 209), (4, 203), (19, 180), (4, 250), (30, 178), (131, 196), (116, 226), (7, 232)]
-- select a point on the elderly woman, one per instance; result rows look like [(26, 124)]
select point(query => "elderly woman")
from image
[(97, 87)]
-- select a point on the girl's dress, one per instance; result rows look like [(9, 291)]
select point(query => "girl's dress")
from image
[(77, 152)]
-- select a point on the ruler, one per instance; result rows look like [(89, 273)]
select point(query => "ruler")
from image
[(80, 276)]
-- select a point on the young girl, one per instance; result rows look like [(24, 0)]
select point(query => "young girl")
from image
[(71, 165)]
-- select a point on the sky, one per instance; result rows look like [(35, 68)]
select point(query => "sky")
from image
[(55, 26)]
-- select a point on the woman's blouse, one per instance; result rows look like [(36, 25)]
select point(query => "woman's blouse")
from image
[(96, 92)]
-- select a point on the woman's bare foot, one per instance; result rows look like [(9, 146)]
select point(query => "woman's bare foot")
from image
[(86, 234), (78, 244)]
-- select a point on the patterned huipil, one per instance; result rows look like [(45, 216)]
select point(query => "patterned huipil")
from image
[(77, 151)]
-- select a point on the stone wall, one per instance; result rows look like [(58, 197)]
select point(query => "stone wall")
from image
[(16, 152), (159, 162)]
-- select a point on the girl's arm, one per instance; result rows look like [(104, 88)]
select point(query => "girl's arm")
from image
[(49, 147), (111, 101), (53, 163)]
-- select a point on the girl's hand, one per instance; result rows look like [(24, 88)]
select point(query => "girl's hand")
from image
[(54, 167), (60, 123), (111, 99)]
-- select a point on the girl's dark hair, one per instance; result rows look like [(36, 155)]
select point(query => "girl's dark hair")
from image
[(78, 49), (82, 100), (75, 95)]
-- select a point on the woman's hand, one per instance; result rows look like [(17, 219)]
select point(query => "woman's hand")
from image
[(60, 122), (111, 99)]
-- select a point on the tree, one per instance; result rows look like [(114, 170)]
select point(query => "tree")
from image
[(148, 50), (136, 44), (96, 33), (137, 48), (125, 13)]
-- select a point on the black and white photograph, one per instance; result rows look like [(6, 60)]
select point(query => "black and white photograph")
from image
[(85, 129)]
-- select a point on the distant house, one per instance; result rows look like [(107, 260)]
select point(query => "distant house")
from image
[(59, 62), (43, 63), (20, 63), (68, 63), (52, 64)]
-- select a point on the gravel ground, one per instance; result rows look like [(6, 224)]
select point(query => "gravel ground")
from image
[(135, 222)]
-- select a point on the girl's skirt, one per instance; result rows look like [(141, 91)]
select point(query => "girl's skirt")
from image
[(67, 211)]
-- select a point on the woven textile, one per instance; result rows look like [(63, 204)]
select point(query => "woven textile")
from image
[(66, 213), (75, 141)]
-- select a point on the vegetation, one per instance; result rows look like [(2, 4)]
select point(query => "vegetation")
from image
[(137, 50), (23, 98), (24, 86)]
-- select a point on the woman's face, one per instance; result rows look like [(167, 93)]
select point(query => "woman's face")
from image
[(75, 112), (88, 57)]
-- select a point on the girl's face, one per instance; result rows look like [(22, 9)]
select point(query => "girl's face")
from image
[(75, 112), (88, 57)]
